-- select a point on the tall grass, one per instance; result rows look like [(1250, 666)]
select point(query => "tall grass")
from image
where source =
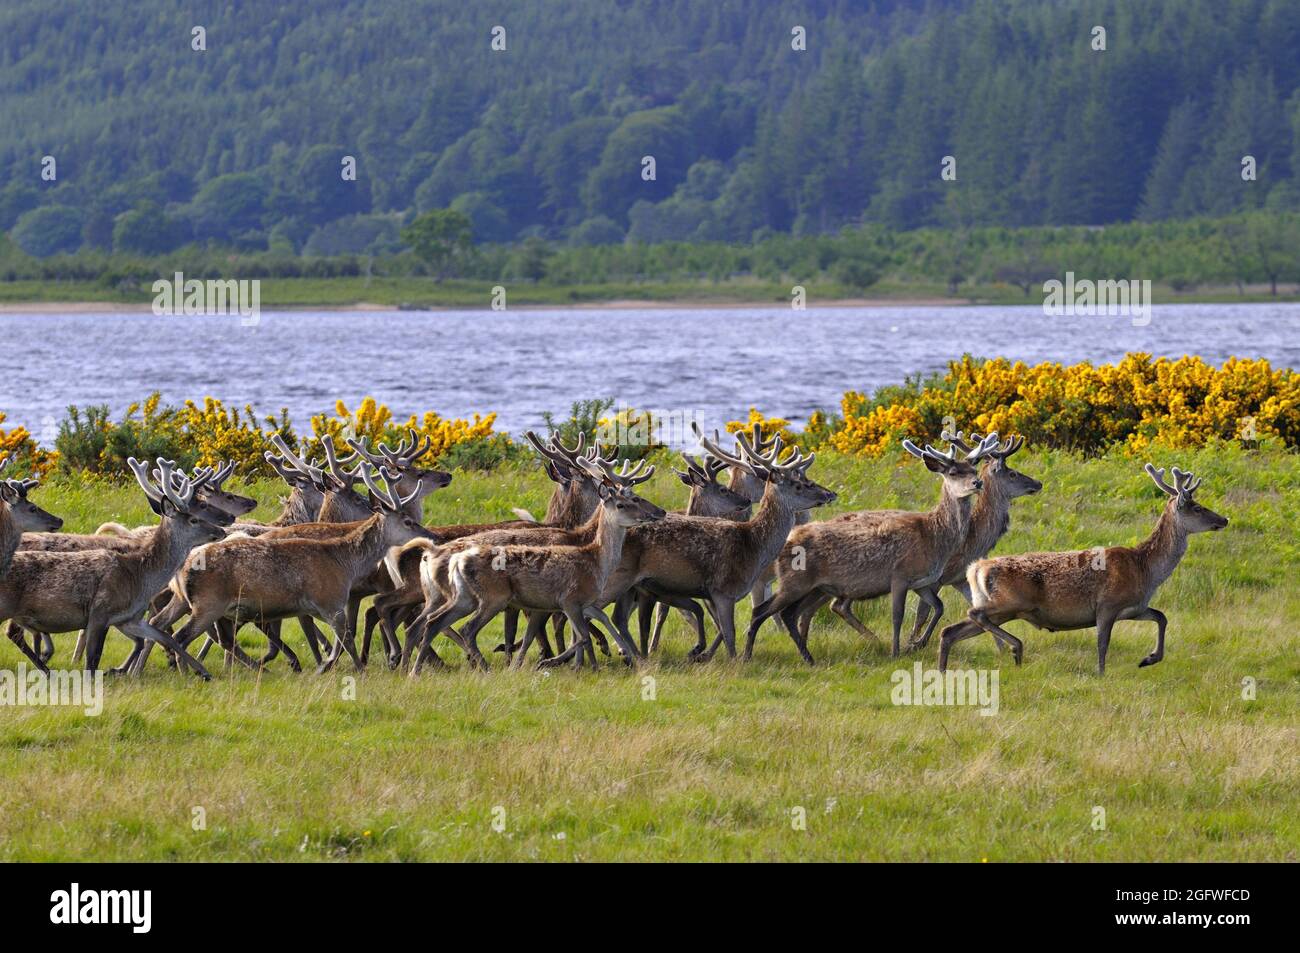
[(709, 762)]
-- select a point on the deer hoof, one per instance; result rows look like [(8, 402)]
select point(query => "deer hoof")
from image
[(1149, 660)]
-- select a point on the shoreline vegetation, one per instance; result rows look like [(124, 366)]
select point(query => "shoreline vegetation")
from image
[(1137, 405), (1253, 256), (419, 294)]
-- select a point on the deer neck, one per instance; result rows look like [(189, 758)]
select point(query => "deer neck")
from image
[(950, 520), (559, 506), (1162, 550), (163, 555), (361, 549), (608, 545), (414, 509), (990, 516), (296, 510), (10, 538), (771, 525)]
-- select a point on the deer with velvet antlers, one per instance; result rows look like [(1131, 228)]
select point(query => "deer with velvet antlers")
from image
[(1066, 591)]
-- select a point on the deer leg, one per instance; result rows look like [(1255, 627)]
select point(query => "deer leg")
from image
[(898, 598), (808, 607), (982, 618), (724, 614), (344, 641), (661, 616), (390, 617), (580, 644), (645, 604), (785, 596), (17, 638), (430, 623), (46, 649), (143, 630), (536, 624), (929, 600), (1158, 617), (510, 625), (470, 630), (1105, 622), (96, 631), (625, 644), (790, 617), (368, 629), (278, 645), (558, 622), (957, 632)]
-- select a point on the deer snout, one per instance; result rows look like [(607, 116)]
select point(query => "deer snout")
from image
[(978, 484)]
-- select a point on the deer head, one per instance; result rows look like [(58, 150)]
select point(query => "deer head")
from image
[(399, 526), (1011, 483), (789, 479), (298, 481), (622, 507), (708, 496), (173, 497), (209, 480), (1189, 516), (960, 477), (169, 479), (26, 515), (402, 459)]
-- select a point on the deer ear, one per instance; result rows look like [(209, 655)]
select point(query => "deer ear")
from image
[(685, 477), (158, 507), (934, 464)]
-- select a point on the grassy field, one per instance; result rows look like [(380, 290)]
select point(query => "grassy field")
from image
[(587, 766), (424, 293)]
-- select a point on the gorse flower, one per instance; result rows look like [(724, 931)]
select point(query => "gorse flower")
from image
[(1137, 402)]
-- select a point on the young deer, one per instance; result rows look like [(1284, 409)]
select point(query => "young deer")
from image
[(262, 580), (1065, 591), (54, 592), (716, 559), (903, 553), (484, 580), (989, 521)]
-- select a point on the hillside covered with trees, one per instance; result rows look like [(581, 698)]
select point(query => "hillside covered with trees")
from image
[(239, 145)]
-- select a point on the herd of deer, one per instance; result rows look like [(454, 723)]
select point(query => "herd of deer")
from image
[(600, 546)]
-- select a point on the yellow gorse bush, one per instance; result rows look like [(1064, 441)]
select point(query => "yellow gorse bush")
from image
[(1135, 403), (375, 423), (770, 425), (28, 457)]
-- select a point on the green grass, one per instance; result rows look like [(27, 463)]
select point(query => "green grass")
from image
[(286, 768), (424, 293)]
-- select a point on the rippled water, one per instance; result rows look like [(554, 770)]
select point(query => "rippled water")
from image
[(713, 363)]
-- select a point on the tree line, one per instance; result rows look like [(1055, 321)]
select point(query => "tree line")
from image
[(783, 117)]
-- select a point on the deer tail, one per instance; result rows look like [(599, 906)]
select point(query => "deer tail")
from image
[(523, 514), (393, 558), (113, 529), (977, 577)]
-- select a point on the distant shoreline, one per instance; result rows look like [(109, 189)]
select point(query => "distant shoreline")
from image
[(628, 304), (613, 304)]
